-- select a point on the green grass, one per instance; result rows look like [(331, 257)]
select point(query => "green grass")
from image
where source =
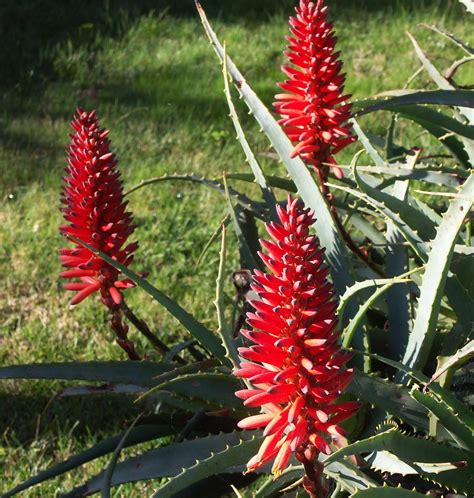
[(156, 84)]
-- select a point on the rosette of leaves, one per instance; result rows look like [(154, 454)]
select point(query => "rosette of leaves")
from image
[(407, 315)]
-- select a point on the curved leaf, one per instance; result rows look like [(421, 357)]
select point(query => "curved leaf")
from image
[(116, 372), (202, 334), (166, 461), (326, 228), (434, 278), (137, 435), (458, 98), (232, 456)]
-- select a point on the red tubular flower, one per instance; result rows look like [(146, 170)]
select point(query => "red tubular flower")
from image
[(96, 213), (314, 110), (295, 366)]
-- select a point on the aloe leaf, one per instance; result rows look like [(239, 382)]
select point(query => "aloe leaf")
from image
[(398, 299), (215, 389), (218, 462), (273, 181), (454, 361), (458, 98), (444, 84), (250, 157), (272, 486), (248, 257), (414, 456), (438, 124), (408, 448), (384, 461), (469, 5), (461, 44), (443, 395), (391, 397), (410, 235), (362, 285), (115, 372), (355, 321), (326, 228), (386, 493), (166, 461), (137, 435), (113, 461), (242, 199), (434, 278), (450, 420), (407, 213), (371, 150), (202, 334), (349, 476), (399, 171), (224, 329)]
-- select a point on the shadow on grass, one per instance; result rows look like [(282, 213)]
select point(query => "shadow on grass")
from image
[(31, 29), (26, 417)]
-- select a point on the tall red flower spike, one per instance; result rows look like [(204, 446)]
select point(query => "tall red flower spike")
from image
[(96, 213), (295, 367), (314, 110)]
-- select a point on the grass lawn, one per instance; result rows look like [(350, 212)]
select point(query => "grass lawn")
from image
[(148, 70)]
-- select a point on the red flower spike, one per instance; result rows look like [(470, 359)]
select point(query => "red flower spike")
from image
[(313, 111), (295, 364), (96, 213)]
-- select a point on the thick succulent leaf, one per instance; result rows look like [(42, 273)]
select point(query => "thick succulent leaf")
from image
[(371, 150), (458, 98), (249, 155), (248, 257), (240, 198), (391, 397), (213, 388), (450, 420), (460, 43), (107, 480), (444, 84), (273, 486), (469, 4), (115, 372), (398, 299), (418, 454), (224, 329), (408, 448), (136, 436), (326, 228), (384, 461), (167, 461), (411, 236), (230, 459), (434, 278), (201, 333), (443, 395), (348, 332), (273, 181), (435, 175), (366, 284), (349, 476), (387, 493), (439, 125), (407, 213), (454, 361)]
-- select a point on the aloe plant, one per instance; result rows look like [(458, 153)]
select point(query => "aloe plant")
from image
[(406, 310)]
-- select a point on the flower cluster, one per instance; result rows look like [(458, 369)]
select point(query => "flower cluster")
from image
[(314, 111), (295, 366), (96, 214)]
